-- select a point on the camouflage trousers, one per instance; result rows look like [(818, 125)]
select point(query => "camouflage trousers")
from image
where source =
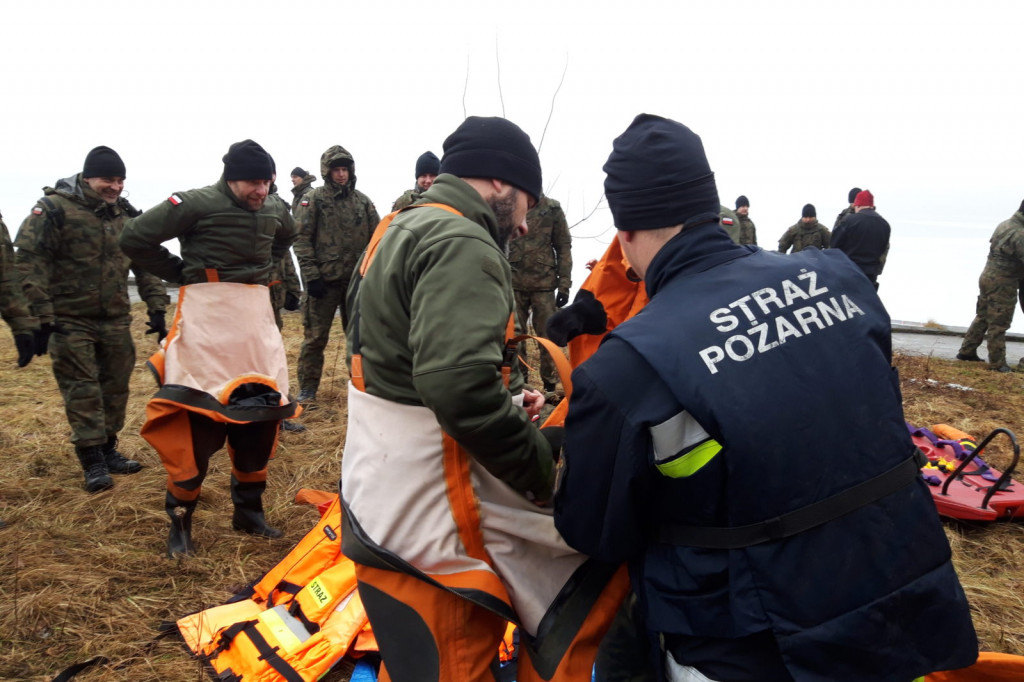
[(542, 306), (93, 364), (277, 294), (317, 317), (994, 313)]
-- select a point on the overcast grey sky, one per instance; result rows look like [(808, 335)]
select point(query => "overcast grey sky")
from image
[(796, 102)]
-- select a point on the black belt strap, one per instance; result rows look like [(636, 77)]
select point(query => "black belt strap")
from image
[(797, 521), (270, 655)]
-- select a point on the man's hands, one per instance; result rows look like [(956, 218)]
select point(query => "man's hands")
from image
[(41, 336), (561, 298), (26, 348), (532, 402), (291, 301), (316, 288), (157, 325), (586, 315)]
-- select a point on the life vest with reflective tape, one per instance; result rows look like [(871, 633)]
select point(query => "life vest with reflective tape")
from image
[(296, 623)]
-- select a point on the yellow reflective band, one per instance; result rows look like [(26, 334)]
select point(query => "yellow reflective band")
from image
[(318, 591), (280, 630), (692, 461)]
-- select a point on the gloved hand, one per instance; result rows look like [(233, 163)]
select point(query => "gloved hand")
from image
[(561, 298), (316, 288), (157, 325), (586, 315), (291, 301), (41, 336), (1020, 292), (555, 436), (26, 348)]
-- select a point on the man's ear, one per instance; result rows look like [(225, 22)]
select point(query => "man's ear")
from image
[(498, 185), (628, 236)]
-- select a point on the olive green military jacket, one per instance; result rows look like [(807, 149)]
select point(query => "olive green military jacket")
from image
[(748, 232), (542, 260), (848, 211), (13, 306), (302, 189), (216, 232), (408, 198), (334, 224), (1006, 250), (802, 235), (70, 261), (432, 314)]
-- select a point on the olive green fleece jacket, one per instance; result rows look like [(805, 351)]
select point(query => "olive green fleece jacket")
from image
[(216, 231), (432, 313)]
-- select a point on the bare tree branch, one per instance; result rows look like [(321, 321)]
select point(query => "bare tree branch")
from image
[(587, 217), (497, 59), (465, 87), (552, 110)]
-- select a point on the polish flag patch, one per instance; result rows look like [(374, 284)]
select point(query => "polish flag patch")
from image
[(304, 202), (174, 199), (37, 211), (727, 221)]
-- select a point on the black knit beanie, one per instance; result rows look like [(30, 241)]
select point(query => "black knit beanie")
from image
[(853, 194), (658, 176), (493, 147), (1021, 209), (742, 201), (103, 162), (427, 164), (298, 172), (246, 160), (809, 211)]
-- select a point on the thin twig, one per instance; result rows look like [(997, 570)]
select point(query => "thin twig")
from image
[(497, 58), (465, 87), (592, 211), (552, 110)]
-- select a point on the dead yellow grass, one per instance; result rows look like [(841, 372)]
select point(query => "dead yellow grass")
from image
[(85, 575)]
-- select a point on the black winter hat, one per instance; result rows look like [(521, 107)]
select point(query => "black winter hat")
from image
[(809, 211), (246, 160), (658, 176), (853, 194), (103, 162), (427, 164), (742, 201), (493, 147), (299, 172)]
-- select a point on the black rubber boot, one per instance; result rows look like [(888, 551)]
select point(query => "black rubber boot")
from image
[(117, 463), (97, 477), (179, 539), (248, 516)]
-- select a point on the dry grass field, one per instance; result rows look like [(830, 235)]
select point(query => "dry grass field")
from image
[(85, 575)]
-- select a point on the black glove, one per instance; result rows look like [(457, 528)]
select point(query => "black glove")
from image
[(157, 325), (291, 301), (561, 298), (1020, 292), (586, 315), (316, 288), (555, 436), (41, 337), (26, 348)]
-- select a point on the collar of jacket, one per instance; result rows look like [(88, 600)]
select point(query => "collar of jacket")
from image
[(693, 250), (453, 191)]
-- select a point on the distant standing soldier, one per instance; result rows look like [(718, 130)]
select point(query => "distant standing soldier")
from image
[(427, 168), (997, 297), (302, 184), (75, 278), (13, 306), (848, 211), (541, 264), (748, 233), (864, 236), (334, 224), (807, 232)]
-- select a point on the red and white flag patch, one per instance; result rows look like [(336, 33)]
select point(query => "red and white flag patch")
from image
[(174, 199), (37, 211), (304, 202), (727, 220)]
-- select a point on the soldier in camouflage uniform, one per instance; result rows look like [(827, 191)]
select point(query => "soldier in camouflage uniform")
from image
[(849, 209), (998, 294), (427, 167), (748, 233), (302, 184), (13, 306), (334, 225), (75, 278), (807, 232), (541, 263)]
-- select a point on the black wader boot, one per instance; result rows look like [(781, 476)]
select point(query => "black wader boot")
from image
[(179, 540), (248, 516), (97, 477), (117, 463)]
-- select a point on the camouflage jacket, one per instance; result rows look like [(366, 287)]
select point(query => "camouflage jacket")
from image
[(542, 260), (1006, 253), (334, 225), (302, 189), (13, 306), (408, 198), (216, 232), (70, 261), (848, 211), (802, 235), (748, 233)]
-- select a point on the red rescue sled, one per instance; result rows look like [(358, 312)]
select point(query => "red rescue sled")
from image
[(962, 484)]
